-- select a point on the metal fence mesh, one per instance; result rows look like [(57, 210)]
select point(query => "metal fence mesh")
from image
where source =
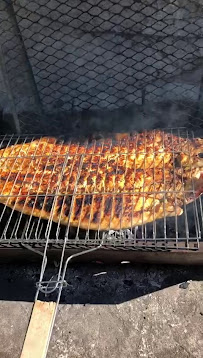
[(102, 54)]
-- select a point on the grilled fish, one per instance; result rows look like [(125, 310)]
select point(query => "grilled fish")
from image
[(107, 184)]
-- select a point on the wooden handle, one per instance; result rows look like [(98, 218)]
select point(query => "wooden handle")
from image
[(37, 336)]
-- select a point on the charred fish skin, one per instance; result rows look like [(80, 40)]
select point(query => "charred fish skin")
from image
[(109, 184)]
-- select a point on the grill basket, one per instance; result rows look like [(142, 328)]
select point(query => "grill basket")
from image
[(170, 233)]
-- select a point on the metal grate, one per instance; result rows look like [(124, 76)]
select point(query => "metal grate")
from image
[(170, 233)]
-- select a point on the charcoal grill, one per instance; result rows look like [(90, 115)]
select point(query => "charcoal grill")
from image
[(75, 68)]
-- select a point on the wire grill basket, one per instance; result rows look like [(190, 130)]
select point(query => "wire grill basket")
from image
[(170, 233)]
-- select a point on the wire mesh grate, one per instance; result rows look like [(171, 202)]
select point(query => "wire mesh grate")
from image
[(55, 188)]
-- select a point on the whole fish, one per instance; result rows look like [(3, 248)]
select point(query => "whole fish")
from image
[(108, 184)]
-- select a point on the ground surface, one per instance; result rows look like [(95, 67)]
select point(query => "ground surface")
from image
[(110, 311)]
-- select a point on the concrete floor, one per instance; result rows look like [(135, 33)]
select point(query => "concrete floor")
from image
[(110, 311)]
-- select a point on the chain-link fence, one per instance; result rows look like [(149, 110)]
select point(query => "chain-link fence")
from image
[(76, 55)]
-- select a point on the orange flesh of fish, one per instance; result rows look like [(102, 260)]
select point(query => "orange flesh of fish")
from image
[(108, 184)]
